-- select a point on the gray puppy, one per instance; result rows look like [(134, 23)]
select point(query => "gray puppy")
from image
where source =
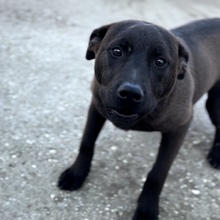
[(148, 78)]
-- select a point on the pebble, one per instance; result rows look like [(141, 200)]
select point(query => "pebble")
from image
[(195, 191), (152, 154), (34, 166), (52, 151), (196, 142), (114, 148)]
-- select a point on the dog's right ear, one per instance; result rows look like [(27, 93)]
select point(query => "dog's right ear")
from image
[(95, 40)]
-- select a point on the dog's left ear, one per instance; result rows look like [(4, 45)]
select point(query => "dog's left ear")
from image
[(95, 40), (183, 61)]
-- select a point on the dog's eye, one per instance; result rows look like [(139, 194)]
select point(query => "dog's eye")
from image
[(117, 52), (160, 62)]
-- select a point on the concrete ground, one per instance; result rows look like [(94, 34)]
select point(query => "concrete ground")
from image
[(44, 97)]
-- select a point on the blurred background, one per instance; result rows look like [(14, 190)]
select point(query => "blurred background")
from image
[(44, 98)]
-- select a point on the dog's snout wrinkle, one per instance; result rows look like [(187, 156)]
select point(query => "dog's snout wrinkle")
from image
[(130, 92)]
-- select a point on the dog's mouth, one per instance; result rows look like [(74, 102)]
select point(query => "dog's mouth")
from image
[(124, 113)]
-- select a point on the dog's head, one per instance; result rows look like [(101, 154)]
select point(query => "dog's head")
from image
[(136, 66)]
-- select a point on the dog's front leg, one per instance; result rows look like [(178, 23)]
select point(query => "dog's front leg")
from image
[(148, 202), (73, 177)]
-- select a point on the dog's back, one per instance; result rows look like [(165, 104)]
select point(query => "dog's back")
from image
[(202, 38)]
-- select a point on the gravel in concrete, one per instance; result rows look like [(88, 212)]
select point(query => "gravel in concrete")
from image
[(44, 97)]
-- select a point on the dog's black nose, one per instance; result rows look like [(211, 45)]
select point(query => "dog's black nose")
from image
[(130, 92)]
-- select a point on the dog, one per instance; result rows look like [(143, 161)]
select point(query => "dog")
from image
[(148, 79)]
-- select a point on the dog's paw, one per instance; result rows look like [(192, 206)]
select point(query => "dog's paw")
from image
[(214, 156), (73, 177), (69, 180), (145, 214)]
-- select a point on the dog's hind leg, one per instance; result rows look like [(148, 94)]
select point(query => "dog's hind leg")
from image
[(213, 107)]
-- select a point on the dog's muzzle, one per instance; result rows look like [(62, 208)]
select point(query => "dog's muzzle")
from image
[(124, 111)]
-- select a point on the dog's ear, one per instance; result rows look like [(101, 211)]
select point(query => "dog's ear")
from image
[(95, 40), (183, 60)]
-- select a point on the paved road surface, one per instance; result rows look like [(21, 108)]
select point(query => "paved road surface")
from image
[(44, 97)]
